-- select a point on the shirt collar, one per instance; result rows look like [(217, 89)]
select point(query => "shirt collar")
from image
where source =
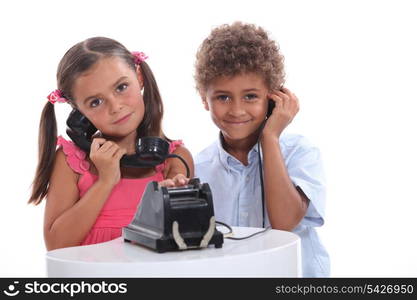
[(228, 161)]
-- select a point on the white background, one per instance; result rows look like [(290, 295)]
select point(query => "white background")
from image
[(352, 64)]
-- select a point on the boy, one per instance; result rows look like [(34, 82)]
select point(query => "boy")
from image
[(239, 72)]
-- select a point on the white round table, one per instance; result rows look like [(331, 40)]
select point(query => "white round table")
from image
[(274, 253)]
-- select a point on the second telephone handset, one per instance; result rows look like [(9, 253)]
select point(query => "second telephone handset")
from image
[(271, 106), (150, 151)]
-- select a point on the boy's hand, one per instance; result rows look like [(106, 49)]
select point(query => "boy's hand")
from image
[(178, 180), (286, 107), (106, 156)]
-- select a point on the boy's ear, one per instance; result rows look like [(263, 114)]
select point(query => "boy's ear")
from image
[(140, 76), (205, 103)]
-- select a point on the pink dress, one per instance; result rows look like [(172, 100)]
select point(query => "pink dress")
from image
[(123, 201)]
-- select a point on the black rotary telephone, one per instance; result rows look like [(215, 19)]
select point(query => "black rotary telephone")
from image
[(175, 218), (150, 151)]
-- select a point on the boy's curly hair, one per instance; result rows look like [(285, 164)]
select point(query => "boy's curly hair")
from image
[(239, 48)]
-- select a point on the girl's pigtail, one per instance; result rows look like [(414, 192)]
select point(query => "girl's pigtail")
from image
[(151, 123), (47, 150)]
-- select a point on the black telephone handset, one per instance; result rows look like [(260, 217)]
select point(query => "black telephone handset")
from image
[(150, 151), (271, 106)]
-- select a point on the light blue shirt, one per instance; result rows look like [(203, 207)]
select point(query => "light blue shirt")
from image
[(237, 197)]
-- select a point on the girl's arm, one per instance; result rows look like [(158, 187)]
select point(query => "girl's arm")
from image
[(175, 171), (68, 219), (286, 205)]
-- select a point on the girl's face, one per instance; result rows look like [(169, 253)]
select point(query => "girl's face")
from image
[(108, 94), (237, 105)]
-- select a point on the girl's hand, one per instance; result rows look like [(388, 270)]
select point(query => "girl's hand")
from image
[(178, 180), (106, 156), (286, 107)]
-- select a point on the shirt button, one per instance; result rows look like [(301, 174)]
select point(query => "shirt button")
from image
[(247, 178)]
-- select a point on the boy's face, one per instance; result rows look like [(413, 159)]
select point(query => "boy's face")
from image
[(237, 105)]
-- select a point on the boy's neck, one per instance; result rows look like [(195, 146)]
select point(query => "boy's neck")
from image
[(239, 149)]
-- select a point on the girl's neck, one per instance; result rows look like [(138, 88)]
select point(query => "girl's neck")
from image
[(239, 148), (127, 142)]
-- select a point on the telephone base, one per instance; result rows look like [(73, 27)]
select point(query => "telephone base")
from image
[(170, 219)]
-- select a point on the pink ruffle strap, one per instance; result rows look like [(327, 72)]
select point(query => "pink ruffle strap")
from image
[(172, 147), (75, 156)]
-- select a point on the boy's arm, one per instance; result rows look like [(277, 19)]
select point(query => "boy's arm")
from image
[(286, 205)]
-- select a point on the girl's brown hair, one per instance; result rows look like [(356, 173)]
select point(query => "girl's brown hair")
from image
[(235, 49), (78, 59)]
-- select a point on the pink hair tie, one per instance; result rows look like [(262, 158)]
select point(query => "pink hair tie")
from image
[(139, 57), (56, 96)]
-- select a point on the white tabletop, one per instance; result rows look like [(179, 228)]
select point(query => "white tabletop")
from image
[(274, 253)]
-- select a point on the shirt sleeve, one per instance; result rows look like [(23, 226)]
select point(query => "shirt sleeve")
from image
[(305, 169)]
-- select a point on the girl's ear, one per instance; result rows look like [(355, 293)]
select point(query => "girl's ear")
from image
[(140, 76), (73, 104)]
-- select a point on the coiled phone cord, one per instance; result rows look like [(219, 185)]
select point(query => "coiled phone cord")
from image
[(262, 184), (183, 161)]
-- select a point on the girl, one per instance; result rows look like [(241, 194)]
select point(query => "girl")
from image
[(258, 176), (89, 196)]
